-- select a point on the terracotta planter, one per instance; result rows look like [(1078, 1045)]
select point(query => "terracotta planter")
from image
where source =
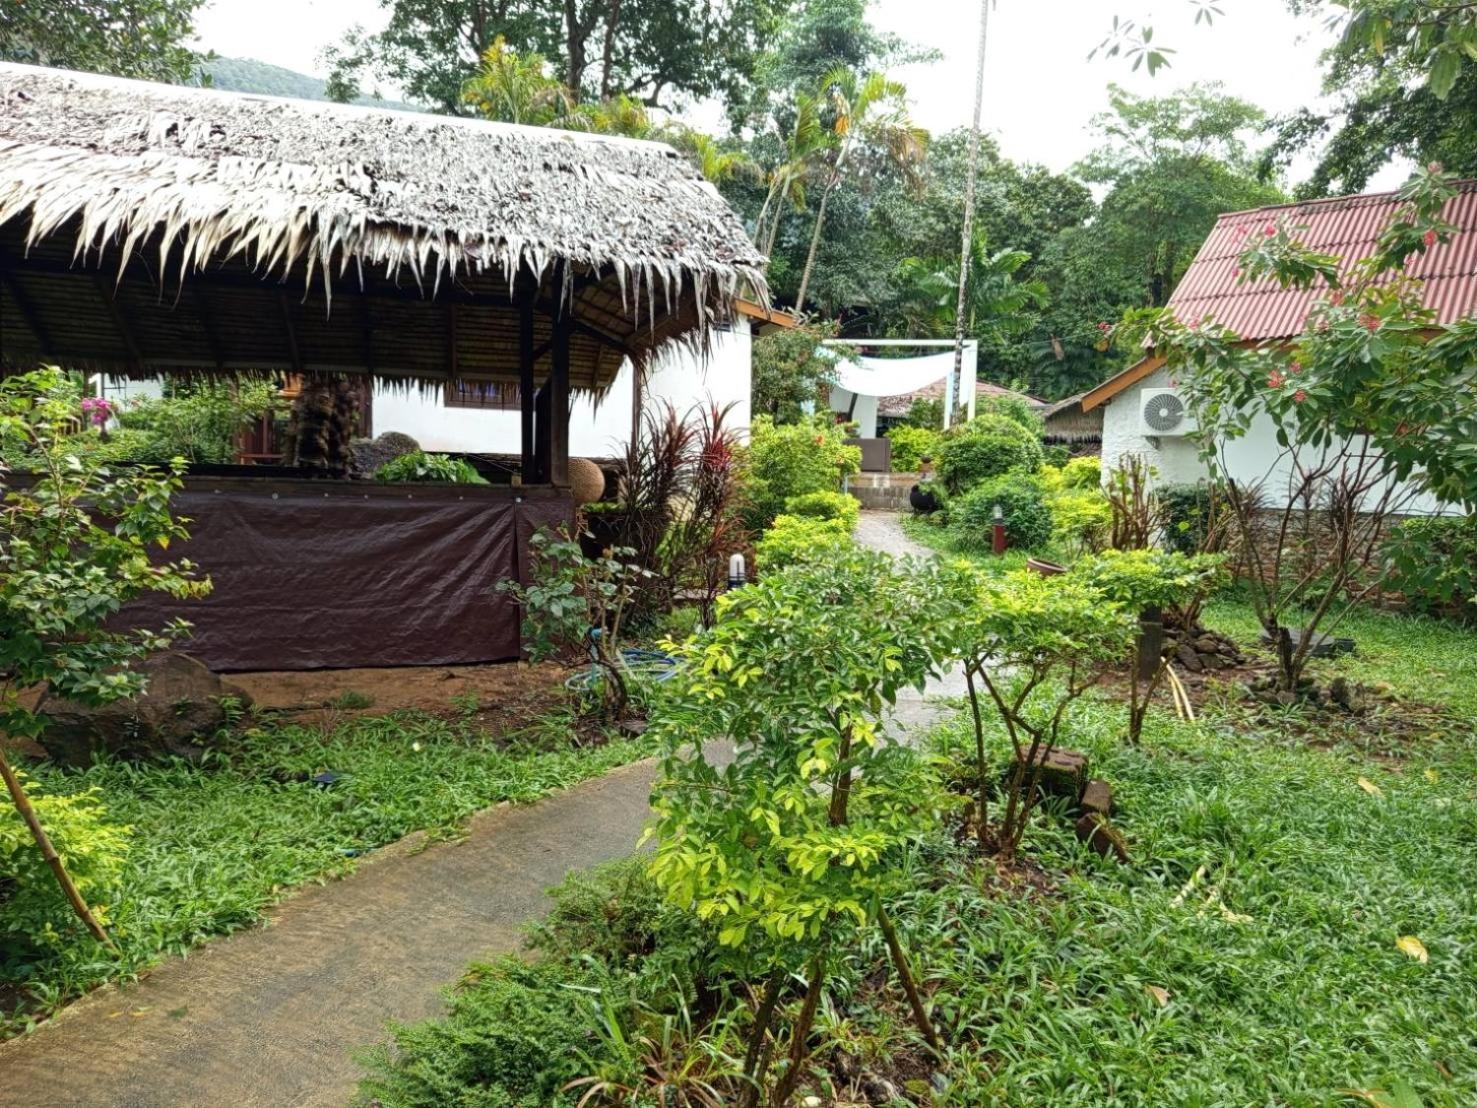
[(1046, 569)]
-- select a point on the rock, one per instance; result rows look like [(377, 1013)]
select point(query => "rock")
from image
[(180, 707), (1186, 656), (1097, 797), (367, 455), (1095, 830), (1207, 644), (1063, 772), (1212, 662)]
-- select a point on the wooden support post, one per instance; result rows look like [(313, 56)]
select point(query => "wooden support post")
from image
[(543, 443), (290, 332), (558, 388), (527, 294)]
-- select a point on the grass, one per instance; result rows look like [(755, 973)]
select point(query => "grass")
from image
[(216, 843), (1300, 992), (1272, 978)]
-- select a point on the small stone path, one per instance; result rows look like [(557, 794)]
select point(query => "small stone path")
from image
[(271, 1017)]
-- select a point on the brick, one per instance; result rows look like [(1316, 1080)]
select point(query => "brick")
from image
[(1097, 796), (1063, 772)]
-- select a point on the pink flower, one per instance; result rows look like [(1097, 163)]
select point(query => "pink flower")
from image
[(1105, 327), (1275, 380), (1299, 396), (1429, 238), (1269, 230), (1370, 322), (1295, 367), (1236, 273), (97, 410)]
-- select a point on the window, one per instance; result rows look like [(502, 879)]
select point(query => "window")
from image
[(493, 395)]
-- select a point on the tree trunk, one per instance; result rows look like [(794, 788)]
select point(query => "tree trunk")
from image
[(910, 986), (983, 833), (607, 62), (757, 1036), (48, 851), (815, 242), (800, 1037), (971, 181), (574, 49)]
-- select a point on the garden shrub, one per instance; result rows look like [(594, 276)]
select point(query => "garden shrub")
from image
[(1085, 472), (1433, 564), (796, 539), (910, 445), (420, 466), (198, 421), (1057, 454), (1014, 408), (514, 1036), (986, 447), (1028, 519), (1079, 519), (793, 459), (1186, 515), (34, 912), (825, 505)]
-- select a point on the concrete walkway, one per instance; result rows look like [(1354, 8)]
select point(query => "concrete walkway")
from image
[(271, 1017), (915, 710)]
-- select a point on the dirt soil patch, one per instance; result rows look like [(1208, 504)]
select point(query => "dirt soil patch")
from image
[(501, 698)]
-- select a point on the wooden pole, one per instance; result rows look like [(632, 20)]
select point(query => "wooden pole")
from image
[(48, 851), (558, 387), (527, 296)]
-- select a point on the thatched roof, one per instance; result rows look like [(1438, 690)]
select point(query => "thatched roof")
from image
[(243, 195)]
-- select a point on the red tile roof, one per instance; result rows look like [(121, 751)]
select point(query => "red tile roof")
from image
[(1347, 227), (897, 406), (1344, 226)]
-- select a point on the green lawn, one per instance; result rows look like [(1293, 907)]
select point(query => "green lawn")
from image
[(216, 843)]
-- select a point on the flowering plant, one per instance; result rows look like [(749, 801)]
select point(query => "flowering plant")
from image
[(97, 410)]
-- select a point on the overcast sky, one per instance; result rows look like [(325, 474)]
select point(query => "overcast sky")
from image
[(1040, 89)]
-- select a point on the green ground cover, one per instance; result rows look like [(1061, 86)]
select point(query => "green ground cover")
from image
[(214, 844), (1257, 949)]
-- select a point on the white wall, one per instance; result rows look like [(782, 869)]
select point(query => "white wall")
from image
[(595, 430), (863, 411), (1253, 458)]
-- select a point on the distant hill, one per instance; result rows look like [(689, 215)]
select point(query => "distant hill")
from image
[(249, 75)]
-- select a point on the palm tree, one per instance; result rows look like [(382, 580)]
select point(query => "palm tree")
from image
[(516, 88), (712, 161), (997, 299), (804, 145), (866, 112), (971, 181)]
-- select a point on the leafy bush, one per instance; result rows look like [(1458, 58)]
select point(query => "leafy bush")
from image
[(1079, 520), (793, 459), (825, 505), (1017, 409), (1057, 454), (198, 421), (1028, 519), (1085, 472), (33, 911), (910, 445), (1434, 564), (515, 1034), (420, 466), (986, 447), (796, 539), (1186, 515)]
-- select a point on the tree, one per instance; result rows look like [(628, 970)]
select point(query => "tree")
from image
[(659, 52), (868, 122), (126, 38), (967, 245), (792, 371), (1372, 404), (995, 301), (794, 846), (77, 543)]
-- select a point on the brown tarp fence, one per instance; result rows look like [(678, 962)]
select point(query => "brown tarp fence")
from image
[(309, 579)]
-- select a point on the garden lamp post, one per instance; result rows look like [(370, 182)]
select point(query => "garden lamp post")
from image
[(997, 543)]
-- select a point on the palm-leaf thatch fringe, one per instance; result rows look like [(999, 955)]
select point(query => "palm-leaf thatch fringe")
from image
[(323, 191)]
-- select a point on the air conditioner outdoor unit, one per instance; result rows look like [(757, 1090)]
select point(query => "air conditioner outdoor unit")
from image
[(1163, 413)]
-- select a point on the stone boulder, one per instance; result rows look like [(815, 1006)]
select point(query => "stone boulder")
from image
[(178, 711)]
